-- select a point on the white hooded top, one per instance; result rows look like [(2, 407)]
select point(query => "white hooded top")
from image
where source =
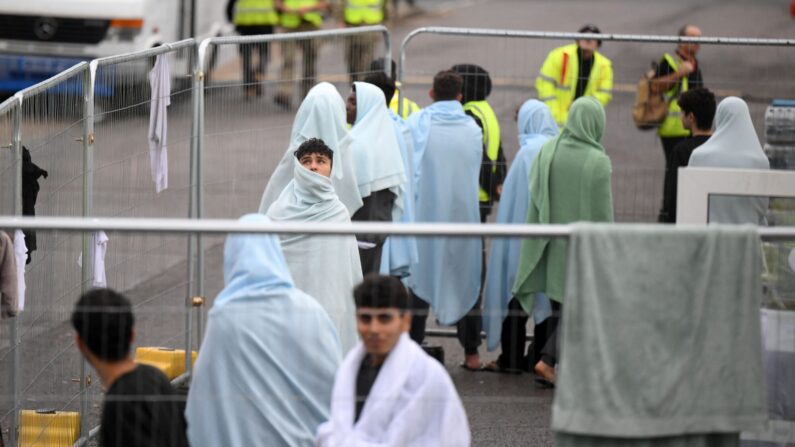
[(733, 145), (325, 267), (321, 115), (376, 152)]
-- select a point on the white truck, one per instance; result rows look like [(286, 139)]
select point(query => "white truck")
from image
[(39, 38)]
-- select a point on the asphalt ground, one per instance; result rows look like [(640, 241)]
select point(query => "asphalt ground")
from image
[(244, 139)]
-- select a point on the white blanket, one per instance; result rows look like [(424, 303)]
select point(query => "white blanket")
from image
[(21, 254), (160, 84), (325, 267), (412, 403)]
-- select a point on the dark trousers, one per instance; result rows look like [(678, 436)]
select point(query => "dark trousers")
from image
[(514, 336), (377, 207), (254, 73), (550, 351), (468, 328), (668, 144)]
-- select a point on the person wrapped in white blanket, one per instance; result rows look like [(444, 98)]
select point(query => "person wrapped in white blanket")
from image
[(388, 391)]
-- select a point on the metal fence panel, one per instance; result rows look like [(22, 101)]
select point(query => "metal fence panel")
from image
[(52, 129), (244, 131), (777, 350), (125, 180), (516, 57), (8, 112)]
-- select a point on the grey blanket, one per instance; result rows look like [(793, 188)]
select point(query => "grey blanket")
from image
[(660, 332)]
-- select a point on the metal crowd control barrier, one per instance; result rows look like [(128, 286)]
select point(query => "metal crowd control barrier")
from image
[(11, 204), (127, 73), (45, 120), (783, 430), (99, 107), (68, 121), (515, 57), (229, 115), (230, 106)]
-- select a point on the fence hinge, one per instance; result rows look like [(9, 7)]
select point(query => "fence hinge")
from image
[(88, 380), (90, 138)]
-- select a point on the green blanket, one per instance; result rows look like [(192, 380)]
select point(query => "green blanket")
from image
[(570, 182), (660, 332)]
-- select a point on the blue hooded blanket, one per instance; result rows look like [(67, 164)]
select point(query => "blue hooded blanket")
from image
[(266, 367), (447, 155), (536, 126), (400, 252)]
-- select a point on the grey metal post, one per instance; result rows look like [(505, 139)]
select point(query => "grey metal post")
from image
[(200, 79), (400, 68), (195, 252), (87, 268), (16, 322)]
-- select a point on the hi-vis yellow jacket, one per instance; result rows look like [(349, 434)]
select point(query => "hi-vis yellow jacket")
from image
[(291, 20), (255, 12), (409, 106), (364, 12), (672, 125), (557, 81)]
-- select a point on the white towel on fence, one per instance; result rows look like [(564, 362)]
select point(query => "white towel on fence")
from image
[(21, 255), (160, 83), (99, 246)]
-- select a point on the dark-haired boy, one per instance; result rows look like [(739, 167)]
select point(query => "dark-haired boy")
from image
[(448, 150), (698, 112), (315, 155), (141, 408), (388, 391)]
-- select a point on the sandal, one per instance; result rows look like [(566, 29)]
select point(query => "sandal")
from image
[(496, 368), (466, 367)]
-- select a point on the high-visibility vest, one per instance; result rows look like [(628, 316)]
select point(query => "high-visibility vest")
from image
[(557, 81), (368, 12), (672, 124), (291, 20), (409, 106), (255, 12), (491, 134)]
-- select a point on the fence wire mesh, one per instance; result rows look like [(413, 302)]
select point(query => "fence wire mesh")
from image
[(8, 111), (129, 183), (52, 127), (506, 395), (248, 117), (247, 121), (514, 61)]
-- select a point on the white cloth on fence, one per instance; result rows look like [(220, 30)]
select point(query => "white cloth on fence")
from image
[(733, 145), (325, 267), (99, 247), (99, 243), (160, 84), (321, 115), (21, 254), (413, 403)]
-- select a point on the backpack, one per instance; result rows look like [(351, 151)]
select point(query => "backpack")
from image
[(650, 110)]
